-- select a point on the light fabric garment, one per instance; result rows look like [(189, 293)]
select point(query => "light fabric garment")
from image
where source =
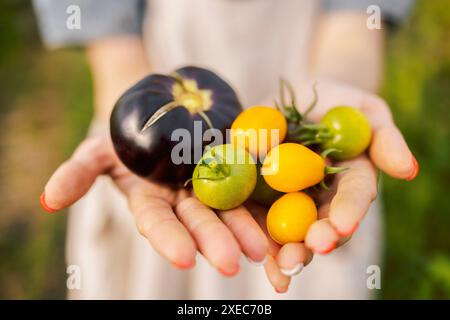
[(251, 43), (109, 18)]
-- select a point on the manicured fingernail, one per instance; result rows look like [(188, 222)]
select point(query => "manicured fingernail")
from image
[(181, 266), (294, 271), (44, 204), (348, 232), (415, 171), (257, 263), (230, 272), (281, 290), (327, 250)]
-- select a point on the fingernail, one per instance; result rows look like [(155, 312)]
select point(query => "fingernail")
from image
[(327, 250), (258, 263), (44, 204), (415, 171), (282, 290), (294, 271), (181, 266), (230, 272), (348, 232)]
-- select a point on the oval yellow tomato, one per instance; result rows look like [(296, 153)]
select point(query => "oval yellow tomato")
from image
[(291, 167), (289, 217), (253, 128)]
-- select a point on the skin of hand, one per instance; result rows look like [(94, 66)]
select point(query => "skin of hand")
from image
[(346, 69), (175, 223)]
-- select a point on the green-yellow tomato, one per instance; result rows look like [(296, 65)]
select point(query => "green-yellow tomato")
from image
[(225, 177), (350, 132)]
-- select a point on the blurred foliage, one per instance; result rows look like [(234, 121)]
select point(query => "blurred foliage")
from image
[(45, 107), (417, 85)]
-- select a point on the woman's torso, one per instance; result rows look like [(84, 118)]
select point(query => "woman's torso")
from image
[(251, 43)]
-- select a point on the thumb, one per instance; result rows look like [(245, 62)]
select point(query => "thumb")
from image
[(75, 177), (388, 150)]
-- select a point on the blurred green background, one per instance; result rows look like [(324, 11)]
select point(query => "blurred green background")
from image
[(45, 107)]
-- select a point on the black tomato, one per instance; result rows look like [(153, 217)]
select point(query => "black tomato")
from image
[(146, 115)]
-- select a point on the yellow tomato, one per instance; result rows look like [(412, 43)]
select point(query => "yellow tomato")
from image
[(290, 216), (291, 167), (253, 129)]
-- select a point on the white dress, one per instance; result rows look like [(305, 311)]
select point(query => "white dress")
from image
[(251, 43)]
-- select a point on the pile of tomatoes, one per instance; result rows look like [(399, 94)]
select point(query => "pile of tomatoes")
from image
[(279, 173)]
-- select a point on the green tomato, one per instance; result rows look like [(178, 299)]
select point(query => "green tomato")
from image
[(350, 132), (263, 193), (224, 177)]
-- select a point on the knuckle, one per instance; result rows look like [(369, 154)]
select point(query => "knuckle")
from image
[(145, 215), (235, 216), (144, 227), (207, 225), (93, 150), (91, 144), (188, 204)]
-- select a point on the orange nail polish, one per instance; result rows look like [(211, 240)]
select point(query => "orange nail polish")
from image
[(328, 250), (229, 273), (415, 171), (180, 266), (349, 232), (44, 204), (280, 290)]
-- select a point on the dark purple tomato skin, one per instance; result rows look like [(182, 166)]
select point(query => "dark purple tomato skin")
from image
[(148, 153)]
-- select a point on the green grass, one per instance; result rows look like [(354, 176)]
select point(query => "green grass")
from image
[(45, 107)]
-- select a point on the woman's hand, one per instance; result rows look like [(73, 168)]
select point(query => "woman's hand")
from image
[(342, 207), (175, 223)]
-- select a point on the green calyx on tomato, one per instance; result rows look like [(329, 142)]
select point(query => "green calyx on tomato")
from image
[(343, 128), (328, 169), (225, 177)]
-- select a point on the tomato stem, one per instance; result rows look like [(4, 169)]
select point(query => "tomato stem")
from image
[(313, 103), (327, 152), (313, 126), (289, 110), (334, 170), (323, 185)]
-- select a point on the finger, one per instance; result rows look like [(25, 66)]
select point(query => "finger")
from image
[(293, 257), (321, 237), (388, 149), (157, 222), (356, 189), (74, 177), (246, 230), (259, 213), (278, 280), (213, 238), (323, 211)]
